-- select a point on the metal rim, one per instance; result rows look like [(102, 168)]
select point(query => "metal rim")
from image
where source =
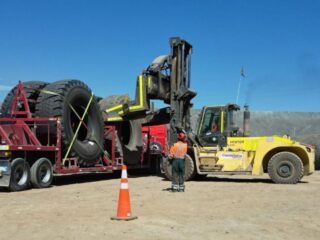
[(20, 175), (44, 173), (285, 169)]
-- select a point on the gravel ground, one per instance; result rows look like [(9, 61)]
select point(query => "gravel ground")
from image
[(80, 207)]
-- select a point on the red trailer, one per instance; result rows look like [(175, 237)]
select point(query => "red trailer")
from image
[(24, 159), (155, 137), (155, 145)]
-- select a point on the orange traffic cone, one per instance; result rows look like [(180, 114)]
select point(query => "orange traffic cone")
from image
[(124, 209)]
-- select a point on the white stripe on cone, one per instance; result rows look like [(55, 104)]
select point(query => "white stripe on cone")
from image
[(124, 186), (124, 174)]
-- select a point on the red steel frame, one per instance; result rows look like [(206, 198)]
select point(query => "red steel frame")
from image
[(22, 127)]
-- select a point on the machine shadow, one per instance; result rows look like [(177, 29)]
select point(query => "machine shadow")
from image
[(62, 180), (236, 180), (232, 180)]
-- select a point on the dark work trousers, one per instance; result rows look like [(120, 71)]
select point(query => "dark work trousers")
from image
[(178, 169)]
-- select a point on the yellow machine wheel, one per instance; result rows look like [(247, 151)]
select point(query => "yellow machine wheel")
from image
[(190, 169), (285, 168)]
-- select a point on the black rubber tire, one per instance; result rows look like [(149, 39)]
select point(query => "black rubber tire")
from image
[(41, 173), (89, 142), (130, 135), (111, 101), (156, 147), (285, 168), (32, 90), (20, 175), (190, 169), (128, 132)]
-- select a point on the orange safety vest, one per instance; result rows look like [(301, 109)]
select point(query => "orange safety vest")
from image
[(179, 150)]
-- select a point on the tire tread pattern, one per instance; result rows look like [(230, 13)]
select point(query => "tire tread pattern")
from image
[(51, 105)]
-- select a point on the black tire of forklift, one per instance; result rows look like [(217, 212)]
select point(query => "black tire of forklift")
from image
[(285, 168), (41, 173), (190, 169), (20, 175), (32, 90)]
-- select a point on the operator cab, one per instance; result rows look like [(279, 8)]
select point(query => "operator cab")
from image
[(215, 124)]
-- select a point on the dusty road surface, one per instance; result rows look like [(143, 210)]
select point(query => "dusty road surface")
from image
[(80, 207)]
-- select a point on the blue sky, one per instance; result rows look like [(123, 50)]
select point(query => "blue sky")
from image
[(108, 43)]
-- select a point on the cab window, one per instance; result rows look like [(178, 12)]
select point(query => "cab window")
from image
[(210, 122)]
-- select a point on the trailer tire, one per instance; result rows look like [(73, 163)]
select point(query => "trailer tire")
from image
[(20, 175), (32, 90), (41, 173), (156, 147), (55, 101), (285, 168), (190, 169)]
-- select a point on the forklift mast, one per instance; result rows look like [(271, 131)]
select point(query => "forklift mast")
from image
[(168, 79)]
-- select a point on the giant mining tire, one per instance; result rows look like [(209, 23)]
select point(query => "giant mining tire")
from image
[(190, 169), (130, 135), (285, 168), (32, 90), (129, 132), (112, 101), (55, 101)]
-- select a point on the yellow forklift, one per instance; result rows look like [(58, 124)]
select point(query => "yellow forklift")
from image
[(220, 147), (217, 146)]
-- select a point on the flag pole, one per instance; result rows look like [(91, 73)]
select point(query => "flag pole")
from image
[(239, 85)]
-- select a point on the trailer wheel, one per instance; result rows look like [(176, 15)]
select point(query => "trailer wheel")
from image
[(156, 147), (285, 168), (20, 175), (190, 170), (41, 173)]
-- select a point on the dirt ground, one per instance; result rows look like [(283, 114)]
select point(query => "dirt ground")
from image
[(80, 207)]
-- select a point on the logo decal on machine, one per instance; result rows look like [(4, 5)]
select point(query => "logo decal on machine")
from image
[(232, 156)]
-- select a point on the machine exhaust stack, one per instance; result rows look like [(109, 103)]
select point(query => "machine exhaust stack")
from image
[(246, 121)]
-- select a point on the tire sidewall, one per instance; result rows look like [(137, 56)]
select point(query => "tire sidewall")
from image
[(133, 149), (35, 173), (189, 168), (287, 160), (88, 150)]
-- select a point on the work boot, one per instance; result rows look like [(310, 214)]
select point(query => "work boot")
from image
[(174, 188), (181, 188)]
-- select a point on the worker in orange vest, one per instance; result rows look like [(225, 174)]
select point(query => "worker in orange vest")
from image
[(178, 154)]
